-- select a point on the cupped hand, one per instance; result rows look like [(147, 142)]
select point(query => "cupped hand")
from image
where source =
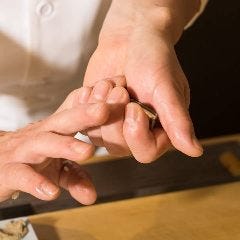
[(33, 159), (144, 56)]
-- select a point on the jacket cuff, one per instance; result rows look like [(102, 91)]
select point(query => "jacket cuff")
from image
[(202, 7)]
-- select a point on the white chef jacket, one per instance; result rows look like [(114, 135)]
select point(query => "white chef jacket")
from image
[(44, 49)]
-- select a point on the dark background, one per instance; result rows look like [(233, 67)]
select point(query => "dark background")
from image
[(209, 53)]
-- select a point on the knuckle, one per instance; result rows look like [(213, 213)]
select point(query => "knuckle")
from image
[(36, 139), (124, 94), (107, 81), (74, 92), (40, 136), (73, 96), (133, 129), (44, 124), (89, 150), (68, 143), (100, 118), (17, 154), (32, 147), (102, 114)]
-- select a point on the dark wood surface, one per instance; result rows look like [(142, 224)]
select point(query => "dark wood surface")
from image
[(125, 178)]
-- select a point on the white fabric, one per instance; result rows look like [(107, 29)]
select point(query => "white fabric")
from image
[(44, 49), (202, 7)]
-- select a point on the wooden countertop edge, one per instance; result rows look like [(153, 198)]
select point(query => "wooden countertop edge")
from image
[(138, 199)]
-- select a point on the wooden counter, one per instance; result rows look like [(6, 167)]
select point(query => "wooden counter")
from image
[(211, 213)]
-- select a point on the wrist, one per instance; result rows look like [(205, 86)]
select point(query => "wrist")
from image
[(168, 17)]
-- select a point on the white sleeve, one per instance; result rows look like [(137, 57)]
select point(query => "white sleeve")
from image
[(202, 7)]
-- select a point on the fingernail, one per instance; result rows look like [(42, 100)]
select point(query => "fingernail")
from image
[(48, 189), (94, 109), (132, 113), (197, 144), (101, 90)]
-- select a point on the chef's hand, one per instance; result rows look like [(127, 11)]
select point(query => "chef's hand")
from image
[(32, 158), (136, 45)]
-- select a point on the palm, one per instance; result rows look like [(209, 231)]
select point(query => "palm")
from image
[(153, 76), (145, 63)]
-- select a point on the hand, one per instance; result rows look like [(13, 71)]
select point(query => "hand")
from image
[(136, 43), (32, 158)]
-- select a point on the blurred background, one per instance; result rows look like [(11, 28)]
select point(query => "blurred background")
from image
[(209, 53)]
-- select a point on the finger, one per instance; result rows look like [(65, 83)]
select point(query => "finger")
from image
[(76, 97), (83, 98), (175, 119), (27, 180), (74, 179), (50, 145), (118, 81), (100, 91), (6, 193), (99, 94), (171, 100), (77, 119), (112, 130), (95, 136), (83, 95), (145, 145)]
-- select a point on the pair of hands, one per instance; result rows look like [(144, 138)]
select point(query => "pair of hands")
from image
[(138, 52), (33, 158)]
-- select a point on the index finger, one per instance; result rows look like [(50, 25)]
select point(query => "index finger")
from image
[(77, 119)]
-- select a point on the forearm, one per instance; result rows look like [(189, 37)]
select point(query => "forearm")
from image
[(166, 16)]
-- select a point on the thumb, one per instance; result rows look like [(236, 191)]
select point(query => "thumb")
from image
[(171, 107)]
